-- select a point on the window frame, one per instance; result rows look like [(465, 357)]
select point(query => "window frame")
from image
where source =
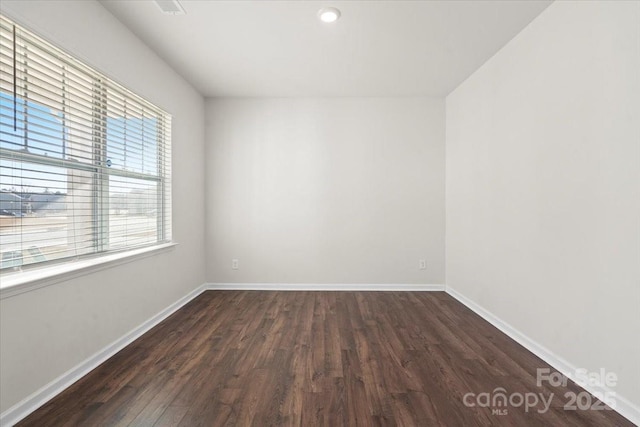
[(101, 254)]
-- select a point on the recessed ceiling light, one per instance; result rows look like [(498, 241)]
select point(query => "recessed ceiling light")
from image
[(329, 14)]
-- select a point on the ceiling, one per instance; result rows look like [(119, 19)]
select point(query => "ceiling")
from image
[(281, 48)]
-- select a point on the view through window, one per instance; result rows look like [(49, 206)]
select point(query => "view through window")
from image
[(84, 163)]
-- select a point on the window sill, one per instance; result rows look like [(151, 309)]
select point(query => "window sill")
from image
[(12, 284)]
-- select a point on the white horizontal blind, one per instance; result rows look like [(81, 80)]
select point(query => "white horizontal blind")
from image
[(84, 163)]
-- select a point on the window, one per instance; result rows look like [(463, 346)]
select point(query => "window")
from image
[(84, 163)]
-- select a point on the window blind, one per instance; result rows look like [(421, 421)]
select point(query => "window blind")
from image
[(85, 164)]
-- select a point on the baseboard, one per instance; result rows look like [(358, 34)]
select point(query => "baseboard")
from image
[(623, 406), (23, 408), (323, 287)]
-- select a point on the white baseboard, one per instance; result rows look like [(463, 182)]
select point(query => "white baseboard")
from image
[(23, 408), (40, 397), (26, 406), (623, 406), (323, 287)]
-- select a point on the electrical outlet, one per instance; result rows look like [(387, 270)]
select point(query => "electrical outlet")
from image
[(423, 264), (235, 264)]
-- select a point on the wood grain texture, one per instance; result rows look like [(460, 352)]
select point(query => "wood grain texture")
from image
[(315, 358)]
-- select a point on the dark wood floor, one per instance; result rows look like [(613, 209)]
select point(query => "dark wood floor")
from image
[(315, 358)]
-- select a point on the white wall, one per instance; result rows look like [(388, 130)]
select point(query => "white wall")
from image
[(543, 186), (341, 190), (44, 333)]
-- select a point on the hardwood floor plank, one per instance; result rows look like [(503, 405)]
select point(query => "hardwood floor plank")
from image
[(316, 359), (171, 416)]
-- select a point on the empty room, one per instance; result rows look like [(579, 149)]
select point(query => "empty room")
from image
[(305, 213)]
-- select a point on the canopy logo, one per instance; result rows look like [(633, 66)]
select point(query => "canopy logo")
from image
[(499, 401)]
